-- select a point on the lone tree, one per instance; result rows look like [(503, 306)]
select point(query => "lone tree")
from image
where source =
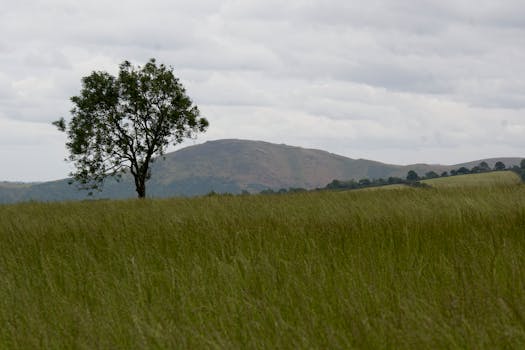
[(122, 123)]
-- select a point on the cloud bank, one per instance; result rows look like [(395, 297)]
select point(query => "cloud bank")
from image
[(400, 82)]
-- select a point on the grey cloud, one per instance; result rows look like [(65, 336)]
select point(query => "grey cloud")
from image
[(47, 58), (231, 89), (4, 47), (456, 45), (227, 56), (419, 79), (6, 89), (341, 75)]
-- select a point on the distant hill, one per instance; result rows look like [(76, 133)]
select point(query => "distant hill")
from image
[(233, 166)]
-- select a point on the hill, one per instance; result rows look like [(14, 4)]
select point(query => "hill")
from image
[(232, 166), (471, 180)]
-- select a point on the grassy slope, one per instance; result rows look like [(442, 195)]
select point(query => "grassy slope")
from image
[(384, 187), (414, 268), (495, 178), (482, 179)]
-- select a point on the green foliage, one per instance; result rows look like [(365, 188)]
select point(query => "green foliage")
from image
[(296, 190), (520, 171), (431, 175), (412, 176), (522, 164), (481, 168), (352, 184), (121, 123), (484, 166), (499, 166), (281, 191), (435, 269), (395, 180), (463, 171), (475, 170), (364, 182)]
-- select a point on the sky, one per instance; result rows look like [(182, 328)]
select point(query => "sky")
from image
[(398, 81)]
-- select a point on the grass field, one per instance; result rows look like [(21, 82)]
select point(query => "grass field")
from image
[(384, 187), (412, 268), (482, 179)]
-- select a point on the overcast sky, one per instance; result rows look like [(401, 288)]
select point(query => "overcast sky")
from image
[(399, 81)]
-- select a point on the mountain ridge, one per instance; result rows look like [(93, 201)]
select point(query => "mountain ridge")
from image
[(235, 165)]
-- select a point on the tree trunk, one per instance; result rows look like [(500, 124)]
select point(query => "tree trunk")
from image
[(140, 175), (140, 187)]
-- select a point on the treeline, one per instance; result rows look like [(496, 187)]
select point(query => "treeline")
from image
[(520, 170), (284, 190), (412, 178), (365, 183)]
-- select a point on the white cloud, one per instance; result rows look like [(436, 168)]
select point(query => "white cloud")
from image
[(31, 151)]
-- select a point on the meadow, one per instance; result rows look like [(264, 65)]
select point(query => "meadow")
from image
[(482, 179), (419, 268)]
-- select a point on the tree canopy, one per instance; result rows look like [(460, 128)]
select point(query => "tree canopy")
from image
[(122, 123), (412, 176), (484, 166), (431, 175), (499, 166)]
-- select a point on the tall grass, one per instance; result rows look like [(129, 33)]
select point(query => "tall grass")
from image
[(411, 268)]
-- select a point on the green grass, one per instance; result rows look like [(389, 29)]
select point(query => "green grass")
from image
[(482, 179), (384, 187), (411, 268)]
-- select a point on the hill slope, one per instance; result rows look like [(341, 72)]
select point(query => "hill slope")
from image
[(255, 165), (471, 180), (232, 166)]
